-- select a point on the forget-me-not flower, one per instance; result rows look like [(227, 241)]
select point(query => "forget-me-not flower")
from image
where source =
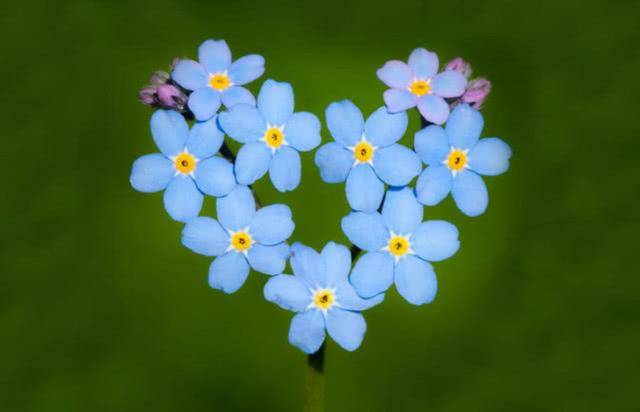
[(216, 79), (241, 238), (418, 83), (186, 167), (322, 297), (400, 247), (456, 159), (272, 135), (366, 154)]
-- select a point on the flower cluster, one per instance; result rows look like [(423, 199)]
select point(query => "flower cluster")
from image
[(326, 292)]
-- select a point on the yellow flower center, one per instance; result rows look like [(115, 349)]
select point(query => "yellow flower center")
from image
[(219, 81), (323, 299), (363, 152), (274, 137), (457, 159), (398, 246), (241, 241), (185, 163), (420, 87)]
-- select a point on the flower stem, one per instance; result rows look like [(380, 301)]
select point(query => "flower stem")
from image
[(314, 382)]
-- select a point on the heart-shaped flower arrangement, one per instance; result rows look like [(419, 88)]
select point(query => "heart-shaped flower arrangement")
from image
[(386, 221)]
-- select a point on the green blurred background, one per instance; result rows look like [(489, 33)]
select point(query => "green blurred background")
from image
[(102, 309)]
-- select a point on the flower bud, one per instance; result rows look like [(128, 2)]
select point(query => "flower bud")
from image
[(170, 96), (159, 77), (477, 91), (459, 65), (147, 95)]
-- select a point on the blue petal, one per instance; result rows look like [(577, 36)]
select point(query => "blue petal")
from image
[(334, 162), (337, 261), (182, 199), (302, 131), (383, 128), (435, 240), (228, 272), (366, 230), (246, 69), (275, 102), (490, 156), (252, 162), (401, 211), (243, 123), (449, 84), (396, 165), (470, 193), (433, 108), (151, 173), (272, 224), (237, 95), (214, 176), (190, 75), (288, 292), (398, 100), (236, 210), (269, 259), (424, 63), (307, 331), (204, 103), (464, 126), (432, 145), (434, 184), (169, 131), (307, 265), (214, 55), (364, 189), (416, 281), (346, 328), (345, 122), (372, 274), (285, 169), (205, 138), (205, 236), (350, 300), (395, 74)]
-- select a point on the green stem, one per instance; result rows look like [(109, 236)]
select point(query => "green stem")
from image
[(314, 382)]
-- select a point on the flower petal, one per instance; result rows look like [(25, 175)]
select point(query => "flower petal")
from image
[(364, 189), (285, 170), (432, 145), (182, 199), (237, 95), (307, 331), (350, 300), (190, 74), (401, 211), (272, 224), (214, 55), (345, 122), (365, 230), (464, 126), (270, 260), (383, 128), (434, 184), (415, 280), (398, 100), (424, 63), (433, 108), (346, 328), (303, 131), (205, 138), (275, 101), (395, 74), (307, 265), (151, 173), (205, 236), (334, 162), (396, 165), (288, 292), (246, 69), (435, 240), (252, 162), (214, 176), (372, 274), (449, 84), (204, 103), (169, 131), (337, 261), (490, 156), (243, 123), (470, 193), (228, 272), (236, 210)]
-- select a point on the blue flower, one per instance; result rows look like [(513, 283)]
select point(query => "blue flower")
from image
[(240, 238), (417, 83), (400, 247), (366, 155), (186, 166), (273, 134), (320, 294), (456, 159), (216, 79)]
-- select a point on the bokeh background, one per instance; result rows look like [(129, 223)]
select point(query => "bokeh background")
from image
[(101, 309)]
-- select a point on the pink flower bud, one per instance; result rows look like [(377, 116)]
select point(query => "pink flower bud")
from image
[(459, 65), (477, 91), (147, 95), (171, 96)]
